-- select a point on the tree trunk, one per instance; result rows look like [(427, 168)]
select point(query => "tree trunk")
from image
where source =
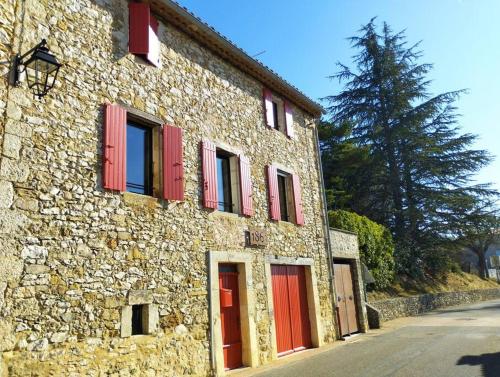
[(482, 264)]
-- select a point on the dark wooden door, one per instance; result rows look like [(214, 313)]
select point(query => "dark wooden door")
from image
[(230, 316), (346, 305), (291, 313)]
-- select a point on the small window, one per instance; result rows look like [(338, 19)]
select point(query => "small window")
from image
[(278, 113), (225, 200), (138, 320), (143, 161), (285, 196), (275, 115), (139, 159), (228, 182)]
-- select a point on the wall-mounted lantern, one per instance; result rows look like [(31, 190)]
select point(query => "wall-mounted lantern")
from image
[(41, 69)]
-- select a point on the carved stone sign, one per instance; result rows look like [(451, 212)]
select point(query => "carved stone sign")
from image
[(256, 237)]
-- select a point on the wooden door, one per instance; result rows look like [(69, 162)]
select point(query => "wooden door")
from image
[(352, 316), (299, 310), (230, 316), (282, 318), (341, 304), (346, 305), (291, 312)]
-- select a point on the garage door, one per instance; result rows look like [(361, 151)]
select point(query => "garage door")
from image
[(291, 314)]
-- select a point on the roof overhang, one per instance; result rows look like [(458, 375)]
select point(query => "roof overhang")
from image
[(201, 32)]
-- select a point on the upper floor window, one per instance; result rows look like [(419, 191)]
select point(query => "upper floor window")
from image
[(141, 155), (276, 116), (139, 159), (227, 184), (224, 193), (278, 113), (285, 196)]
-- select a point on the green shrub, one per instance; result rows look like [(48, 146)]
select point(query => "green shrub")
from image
[(375, 244)]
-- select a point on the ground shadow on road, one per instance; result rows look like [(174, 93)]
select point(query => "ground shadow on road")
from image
[(490, 363)]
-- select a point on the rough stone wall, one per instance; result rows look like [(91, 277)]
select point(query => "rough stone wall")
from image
[(344, 244), (7, 24), (411, 306), (71, 252)]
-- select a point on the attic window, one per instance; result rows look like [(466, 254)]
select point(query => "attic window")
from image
[(143, 38)]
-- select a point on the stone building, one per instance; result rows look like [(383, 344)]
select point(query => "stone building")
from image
[(161, 209)]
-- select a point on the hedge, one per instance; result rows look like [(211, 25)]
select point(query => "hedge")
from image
[(376, 246)]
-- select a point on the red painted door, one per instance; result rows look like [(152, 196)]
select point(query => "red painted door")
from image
[(299, 310), (291, 312), (282, 317), (230, 315)]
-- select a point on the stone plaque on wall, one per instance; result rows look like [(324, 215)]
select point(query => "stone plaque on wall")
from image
[(256, 237)]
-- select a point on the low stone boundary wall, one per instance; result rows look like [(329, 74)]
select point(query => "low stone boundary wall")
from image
[(385, 310)]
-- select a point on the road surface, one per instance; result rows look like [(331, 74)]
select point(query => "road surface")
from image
[(455, 342)]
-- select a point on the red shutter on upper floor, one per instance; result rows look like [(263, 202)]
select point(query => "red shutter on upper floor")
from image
[(115, 148), (274, 198), (297, 196), (209, 169), (143, 33), (288, 119), (246, 186), (268, 107), (173, 164)]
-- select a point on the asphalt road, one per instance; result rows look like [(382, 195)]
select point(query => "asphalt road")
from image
[(455, 342)]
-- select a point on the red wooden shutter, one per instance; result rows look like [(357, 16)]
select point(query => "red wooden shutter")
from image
[(173, 164), (115, 148), (153, 55), (288, 119), (274, 197), (246, 186), (268, 107), (209, 174), (143, 33), (297, 196)]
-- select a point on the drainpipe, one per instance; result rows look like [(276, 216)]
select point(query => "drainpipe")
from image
[(326, 225)]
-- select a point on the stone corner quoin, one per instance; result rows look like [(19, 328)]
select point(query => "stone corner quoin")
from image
[(83, 268)]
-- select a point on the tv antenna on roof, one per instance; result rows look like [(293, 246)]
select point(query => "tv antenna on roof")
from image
[(259, 53)]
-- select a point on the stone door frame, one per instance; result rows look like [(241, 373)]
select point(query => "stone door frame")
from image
[(249, 344), (312, 300)]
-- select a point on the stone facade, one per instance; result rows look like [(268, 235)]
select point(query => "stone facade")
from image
[(385, 310), (74, 257)]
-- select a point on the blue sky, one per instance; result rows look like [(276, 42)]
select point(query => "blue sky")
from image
[(304, 39)]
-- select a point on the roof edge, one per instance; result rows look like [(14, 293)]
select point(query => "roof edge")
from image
[(206, 35)]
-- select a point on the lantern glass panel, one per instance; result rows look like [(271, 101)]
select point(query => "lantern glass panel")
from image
[(41, 74)]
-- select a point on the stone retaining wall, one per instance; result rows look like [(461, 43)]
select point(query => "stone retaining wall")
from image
[(385, 310)]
